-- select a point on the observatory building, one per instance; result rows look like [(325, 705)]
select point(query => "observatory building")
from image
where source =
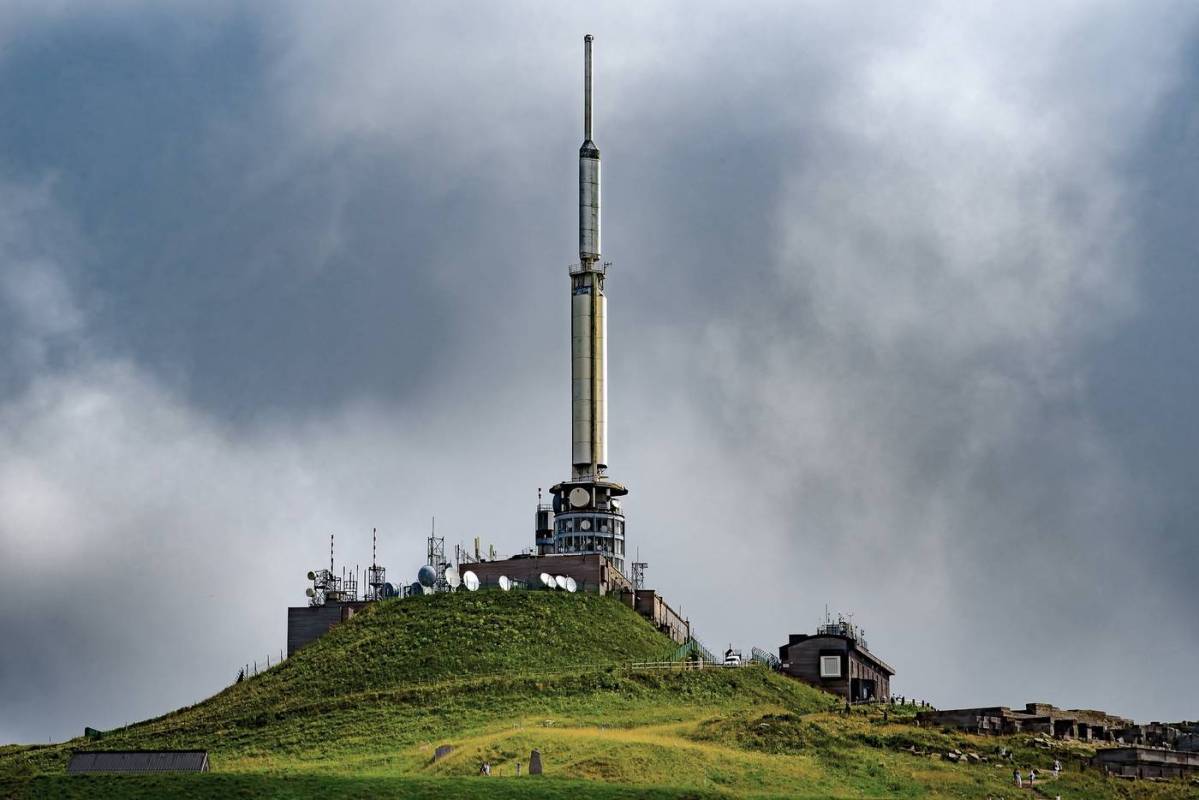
[(585, 516)]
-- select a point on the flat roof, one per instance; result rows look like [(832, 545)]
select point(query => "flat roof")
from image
[(84, 761)]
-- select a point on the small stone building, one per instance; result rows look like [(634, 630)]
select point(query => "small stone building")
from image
[(1042, 718), (1147, 762), (835, 659)]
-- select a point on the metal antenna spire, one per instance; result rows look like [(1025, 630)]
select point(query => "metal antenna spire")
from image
[(330, 554), (374, 561), (587, 87)]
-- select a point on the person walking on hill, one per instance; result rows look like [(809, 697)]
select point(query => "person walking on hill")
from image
[(1018, 778), (1057, 768), (1032, 778)]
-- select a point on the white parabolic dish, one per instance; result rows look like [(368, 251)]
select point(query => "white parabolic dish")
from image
[(560, 580), (470, 580), (571, 585), (547, 581), (505, 582), (452, 577)]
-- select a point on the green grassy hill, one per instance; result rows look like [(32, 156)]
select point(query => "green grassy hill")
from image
[(359, 713)]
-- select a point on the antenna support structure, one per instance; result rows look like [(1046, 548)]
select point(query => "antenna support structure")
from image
[(585, 515)]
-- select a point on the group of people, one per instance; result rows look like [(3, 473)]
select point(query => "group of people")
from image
[(1032, 774)]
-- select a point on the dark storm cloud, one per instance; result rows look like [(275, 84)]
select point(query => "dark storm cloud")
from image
[(883, 287)]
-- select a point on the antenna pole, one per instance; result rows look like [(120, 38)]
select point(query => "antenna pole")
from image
[(330, 554), (587, 87)]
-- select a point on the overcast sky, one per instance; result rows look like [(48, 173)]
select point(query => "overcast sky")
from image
[(900, 322)]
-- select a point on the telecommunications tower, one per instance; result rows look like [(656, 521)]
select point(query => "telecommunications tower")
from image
[(586, 516)]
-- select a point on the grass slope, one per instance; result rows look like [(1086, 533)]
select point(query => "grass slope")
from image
[(360, 712)]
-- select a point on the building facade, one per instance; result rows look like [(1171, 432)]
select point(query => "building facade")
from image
[(835, 659)]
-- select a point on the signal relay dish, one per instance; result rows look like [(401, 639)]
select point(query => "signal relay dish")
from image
[(426, 575), (571, 585), (560, 580), (505, 582), (547, 581), (470, 580), (452, 577)]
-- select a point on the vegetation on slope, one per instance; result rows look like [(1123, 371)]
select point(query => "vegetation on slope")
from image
[(360, 712)]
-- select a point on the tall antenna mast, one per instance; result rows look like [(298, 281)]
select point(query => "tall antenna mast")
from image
[(587, 87), (330, 554)]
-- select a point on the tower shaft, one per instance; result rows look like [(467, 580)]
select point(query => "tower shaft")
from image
[(586, 513), (588, 309)]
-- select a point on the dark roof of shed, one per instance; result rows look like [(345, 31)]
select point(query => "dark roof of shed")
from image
[(138, 761)]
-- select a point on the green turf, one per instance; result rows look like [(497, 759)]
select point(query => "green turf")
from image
[(360, 712)]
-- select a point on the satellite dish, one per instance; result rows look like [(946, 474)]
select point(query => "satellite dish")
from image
[(310, 592), (426, 576), (579, 497), (425, 589), (547, 581), (415, 589), (387, 590), (470, 580), (311, 575), (505, 582), (452, 577), (560, 580), (571, 585)]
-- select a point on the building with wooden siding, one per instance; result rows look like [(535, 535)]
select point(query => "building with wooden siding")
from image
[(835, 659), (306, 624)]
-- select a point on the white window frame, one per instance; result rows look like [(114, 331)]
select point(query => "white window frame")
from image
[(830, 666)]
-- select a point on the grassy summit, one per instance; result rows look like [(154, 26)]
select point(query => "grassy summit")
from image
[(359, 713)]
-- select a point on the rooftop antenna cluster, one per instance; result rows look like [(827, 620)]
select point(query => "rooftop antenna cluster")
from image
[(842, 626), (328, 587), (638, 575)]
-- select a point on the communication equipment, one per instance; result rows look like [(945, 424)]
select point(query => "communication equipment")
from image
[(470, 580), (452, 577), (426, 576), (571, 585), (579, 497), (505, 582), (310, 592), (387, 591), (560, 580), (311, 575), (547, 581), (415, 589), (425, 589)]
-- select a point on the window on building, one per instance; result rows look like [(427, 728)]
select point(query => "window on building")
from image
[(830, 666)]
